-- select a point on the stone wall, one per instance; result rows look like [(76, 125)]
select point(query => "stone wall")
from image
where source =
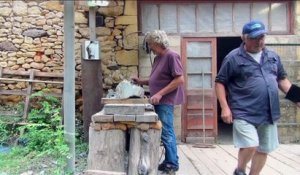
[(31, 37), (288, 48)]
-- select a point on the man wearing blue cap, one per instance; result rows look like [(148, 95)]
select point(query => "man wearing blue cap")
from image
[(247, 89)]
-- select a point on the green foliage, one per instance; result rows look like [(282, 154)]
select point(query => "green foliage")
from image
[(4, 133), (11, 113), (46, 135), (43, 138), (47, 110)]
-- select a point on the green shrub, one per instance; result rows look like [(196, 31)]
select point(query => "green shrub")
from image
[(42, 139), (46, 133)]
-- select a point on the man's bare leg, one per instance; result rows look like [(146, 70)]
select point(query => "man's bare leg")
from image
[(258, 161), (244, 156)]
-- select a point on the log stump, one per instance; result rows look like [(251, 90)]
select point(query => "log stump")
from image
[(106, 150), (143, 152), (111, 152)]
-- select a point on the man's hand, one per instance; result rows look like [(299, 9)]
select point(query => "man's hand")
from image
[(226, 115), (136, 80), (298, 104), (155, 99)]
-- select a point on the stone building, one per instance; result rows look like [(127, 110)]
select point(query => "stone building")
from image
[(202, 32)]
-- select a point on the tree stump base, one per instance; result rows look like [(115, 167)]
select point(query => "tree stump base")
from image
[(107, 150), (110, 149), (143, 151)]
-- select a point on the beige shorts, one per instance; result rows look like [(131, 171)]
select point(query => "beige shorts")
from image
[(264, 137)]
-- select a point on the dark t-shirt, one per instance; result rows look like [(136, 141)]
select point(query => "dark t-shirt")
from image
[(165, 69), (252, 87)]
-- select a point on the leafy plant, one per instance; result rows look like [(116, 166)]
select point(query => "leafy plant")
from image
[(8, 133), (44, 149), (42, 139), (46, 134), (4, 133)]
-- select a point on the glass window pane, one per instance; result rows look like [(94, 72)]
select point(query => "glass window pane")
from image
[(149, 17), (198, 49), (278, 17), (168, 18), (223, 17), (241, 15), (187, 18), (260, 12), (198, 65), (195, 81), (205, 18)]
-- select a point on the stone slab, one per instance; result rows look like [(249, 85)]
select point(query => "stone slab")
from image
[(124, 118), (101, 117), (148, 117), (125, 101), (125, 109)]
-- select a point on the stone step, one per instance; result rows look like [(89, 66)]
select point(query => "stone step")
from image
[(101, 117), (125, 109), (146, 117)]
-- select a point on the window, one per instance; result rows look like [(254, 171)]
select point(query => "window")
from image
[(219, 18), (199, 53)]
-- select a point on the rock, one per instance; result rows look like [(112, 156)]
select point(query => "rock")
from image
[(3, 64), (5, 11), (20, 8), (126, 89), (49, 51), (7, 46), (52, 5), (80, 18), (35, 33), (111, 11), (128, 58), (34, 10)]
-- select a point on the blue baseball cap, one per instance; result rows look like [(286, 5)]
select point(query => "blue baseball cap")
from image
[(254, 29)]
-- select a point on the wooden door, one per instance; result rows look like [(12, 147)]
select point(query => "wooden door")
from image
[(199, 112)]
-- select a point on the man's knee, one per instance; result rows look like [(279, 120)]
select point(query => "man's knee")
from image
[(249, 149)]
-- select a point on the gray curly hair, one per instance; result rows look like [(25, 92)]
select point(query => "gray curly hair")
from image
[(159, 37)]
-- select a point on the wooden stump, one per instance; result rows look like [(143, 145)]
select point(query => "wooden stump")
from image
[(107, 150), (144, 151)]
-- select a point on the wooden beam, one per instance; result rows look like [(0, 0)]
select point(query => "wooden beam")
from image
[(31, 80), (92, 85)]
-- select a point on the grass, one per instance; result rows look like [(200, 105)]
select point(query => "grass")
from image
[(39, 147), (17, 161)]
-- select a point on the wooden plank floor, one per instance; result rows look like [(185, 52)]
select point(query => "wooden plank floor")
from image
[(222, 159)]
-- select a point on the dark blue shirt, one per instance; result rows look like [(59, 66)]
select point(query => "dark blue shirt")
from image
[(252, 87)]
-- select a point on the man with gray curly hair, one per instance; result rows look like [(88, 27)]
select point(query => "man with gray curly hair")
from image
[(158, 36), (166, 90)]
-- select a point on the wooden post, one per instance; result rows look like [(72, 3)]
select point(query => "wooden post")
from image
[(107, 150), (28, 93), (92, 86), (143, 151)]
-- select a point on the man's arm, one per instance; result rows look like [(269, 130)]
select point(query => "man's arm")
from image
[(284, 85), (140, 81), (292, 91), (226, 114), (177, 81)]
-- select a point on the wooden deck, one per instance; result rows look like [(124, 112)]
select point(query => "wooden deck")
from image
[(222, 160)]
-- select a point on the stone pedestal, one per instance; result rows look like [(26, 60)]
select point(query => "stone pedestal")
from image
[(108, 138)]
